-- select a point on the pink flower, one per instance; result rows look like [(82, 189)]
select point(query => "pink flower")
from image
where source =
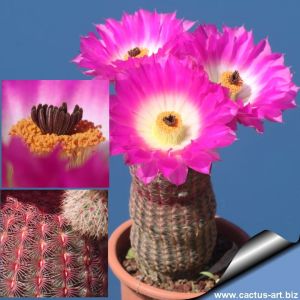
[(128, 42), (166, 118), (257, 79), (30, 160)]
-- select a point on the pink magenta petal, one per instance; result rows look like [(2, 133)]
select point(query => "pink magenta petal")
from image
[(137, 156), (50, 171), (147, 172), (217, 136), (247, 116), (173, 170), (199, 160)]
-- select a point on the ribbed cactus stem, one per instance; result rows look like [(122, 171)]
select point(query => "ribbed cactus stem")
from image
[(42, 247), (87, 271), (174, 232), (91, 263), (65, 272), (16, 266)]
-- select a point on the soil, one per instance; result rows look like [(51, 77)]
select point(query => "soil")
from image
[(202, 283)]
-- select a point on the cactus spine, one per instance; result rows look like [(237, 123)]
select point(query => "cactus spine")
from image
[(86, 210)]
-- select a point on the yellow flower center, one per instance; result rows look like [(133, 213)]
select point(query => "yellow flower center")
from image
[(136, 53), (232, 81), (77, 143), (168, 129)]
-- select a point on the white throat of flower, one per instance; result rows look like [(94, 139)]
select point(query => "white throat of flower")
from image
[(168, 122), (242, 84), (135, 50)]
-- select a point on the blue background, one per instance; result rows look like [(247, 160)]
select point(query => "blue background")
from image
[(256, 184)]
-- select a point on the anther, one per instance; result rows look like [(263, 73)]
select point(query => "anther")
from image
[(134, 52), (57, 120), (236, 78), (170, 120)]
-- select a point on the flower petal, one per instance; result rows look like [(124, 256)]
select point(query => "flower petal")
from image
[(29, 170)]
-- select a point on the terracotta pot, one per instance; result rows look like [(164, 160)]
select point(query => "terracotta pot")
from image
[(131, 288)]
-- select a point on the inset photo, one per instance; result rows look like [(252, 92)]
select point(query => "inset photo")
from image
[(55, 134), (53, 243)]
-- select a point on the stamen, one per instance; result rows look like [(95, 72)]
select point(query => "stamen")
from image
[(170, 120), (168, 129), (77, 146), (55, 119), (134, 52), (236, 78), (232, 81)]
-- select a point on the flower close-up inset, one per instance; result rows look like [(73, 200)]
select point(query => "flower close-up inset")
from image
[(61, 123)]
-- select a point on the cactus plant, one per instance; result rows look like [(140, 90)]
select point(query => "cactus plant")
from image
[(86, 210), (170, 139), (176, 102), (41, 255)]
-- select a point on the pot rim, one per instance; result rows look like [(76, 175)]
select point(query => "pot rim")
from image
[(143, 288)]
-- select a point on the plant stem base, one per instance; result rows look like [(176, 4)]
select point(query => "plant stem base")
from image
[(174, 231)]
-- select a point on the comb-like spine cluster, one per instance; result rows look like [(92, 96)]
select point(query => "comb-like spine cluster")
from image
[(41, 255), (87, 212)]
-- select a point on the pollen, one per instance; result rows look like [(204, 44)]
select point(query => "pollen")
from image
[(136, 52), (232, 81), (76, 147), (168, 129)]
